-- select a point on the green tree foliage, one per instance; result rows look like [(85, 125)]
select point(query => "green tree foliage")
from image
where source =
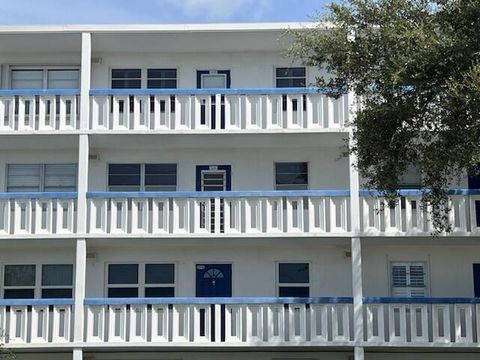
[(415, 66), (4, 353)]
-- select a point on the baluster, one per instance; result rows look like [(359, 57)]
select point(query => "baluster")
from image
[(160, 323), (340, 323), (202, 335), (95, 323), (138, 323), (295, 214), (463, 315), (375, 324), (139, 216), (338, 214), (18, 325), (397, 315), (419, 323), (233, 323), (218, 111), (181, 323), (319, 323), (274, 215), (43, 215), (218, 216), (441, 323), (232, 216), (4, 121), (297, 323), (276, 323), (160, 216), (253, 215), (40, 324), (117, 329), (22, 216), (62, 116), (254, 323), (181, 215), (98, 215), (119, 216), (65, 216), (61, 323), (42, 114)]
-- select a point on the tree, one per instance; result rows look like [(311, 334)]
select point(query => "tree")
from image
[(415, 66), (4, 353)]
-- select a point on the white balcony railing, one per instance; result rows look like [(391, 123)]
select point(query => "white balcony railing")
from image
[(422, 321), (223, 322), (39, 111), (36, 322), (37, 214), (269, 213), (216, 110), (230, 213)]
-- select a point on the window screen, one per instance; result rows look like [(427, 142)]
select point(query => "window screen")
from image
[(408, 280), (41, 177), (291, 176), (27, 79), (126, 78), (142, 177), (294, 279), (45, 78), (63, 79)]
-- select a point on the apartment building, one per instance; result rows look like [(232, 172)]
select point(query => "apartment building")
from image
[(181, 192)]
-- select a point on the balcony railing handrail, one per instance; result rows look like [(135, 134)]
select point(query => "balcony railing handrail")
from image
[(38, 195), (211, 194), (426, 300), (222, 91), (220, 301), (35, 302), (420, 192), (33, 92)]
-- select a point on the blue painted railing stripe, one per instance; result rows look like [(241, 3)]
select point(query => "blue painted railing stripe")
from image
[(399, 300), (32, 92), (179, 300), (31, 302), (416, 192), (38, 195), (208, 194), (237, 91)]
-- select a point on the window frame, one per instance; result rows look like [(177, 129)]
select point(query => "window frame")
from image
[(38, 287), (426, 274), (42, 174), (289, 162), (142, 175), (44, 69), (141, 284), (277, 276), (274, 84), (144, 74)]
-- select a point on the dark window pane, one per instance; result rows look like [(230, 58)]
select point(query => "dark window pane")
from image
[(19, 294), (291, 72), (162, 73), (298, 291), (294, 82), (293, 273), (160, 169), (57, 293), (19, 275), (160, 292), (162, 84), (123, 274), (124, 175), (57, 275), (161, 180), (126, 84), (161, 177), (126, 73), (291, 167), (159, 274), (292, 178), (291, 174), (123, 292)]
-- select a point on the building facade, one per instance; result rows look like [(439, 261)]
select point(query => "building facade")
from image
[(180, 192)]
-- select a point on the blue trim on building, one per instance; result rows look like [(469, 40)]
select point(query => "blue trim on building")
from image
[(226, 300), (34, 302), (418, 192), (210, 194), (400, 300), (38, 195), (234, 91), (32, 92)]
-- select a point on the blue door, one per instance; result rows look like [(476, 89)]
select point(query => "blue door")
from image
[(476, 279), (214, 280)]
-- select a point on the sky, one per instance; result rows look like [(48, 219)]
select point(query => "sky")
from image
[(24, 12)]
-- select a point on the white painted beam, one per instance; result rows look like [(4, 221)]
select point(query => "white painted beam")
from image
[(77, 354), (85, 78)]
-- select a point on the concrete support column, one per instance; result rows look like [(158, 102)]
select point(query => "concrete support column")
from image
[(85, 76), (356, 246), (80, 280), (77, 354)]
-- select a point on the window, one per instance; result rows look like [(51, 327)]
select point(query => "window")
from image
[(45, 78), (141, 280), (41, 177), (408, 279), (126, 78), (412, 179), (23, 281), (162, 78), (290, 77), (142, 177), (291, 176), (294, 280)]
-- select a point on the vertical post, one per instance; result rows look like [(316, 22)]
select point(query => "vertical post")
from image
[(80, 277), (77, 354), (85, 77), (356, 246)]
